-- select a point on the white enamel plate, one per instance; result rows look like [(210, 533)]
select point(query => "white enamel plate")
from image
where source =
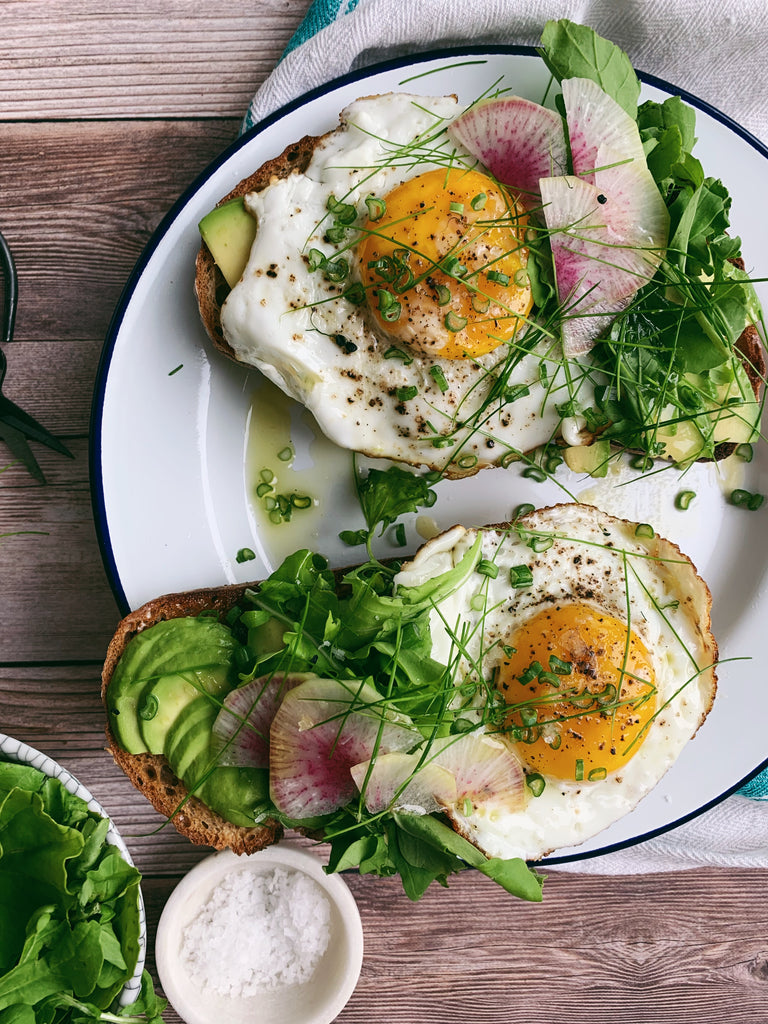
[(180, 435)]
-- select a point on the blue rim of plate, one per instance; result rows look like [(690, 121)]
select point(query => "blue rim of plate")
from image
[(97, 406)]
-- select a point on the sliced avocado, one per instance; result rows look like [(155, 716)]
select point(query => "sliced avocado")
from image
[(237, 794), (229, 231), (188, 739), (161, 704), (590, 458), (184, 649)]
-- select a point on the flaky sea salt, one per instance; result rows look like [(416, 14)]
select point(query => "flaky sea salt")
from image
[(257, 931)]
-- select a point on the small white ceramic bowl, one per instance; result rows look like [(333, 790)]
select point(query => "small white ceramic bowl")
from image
[(316, 1001), (15, 750)]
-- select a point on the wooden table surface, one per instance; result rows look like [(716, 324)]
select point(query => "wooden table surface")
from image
[(109, 111)]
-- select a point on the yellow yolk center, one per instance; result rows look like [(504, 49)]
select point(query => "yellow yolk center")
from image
[(448, 255), (583, 691)]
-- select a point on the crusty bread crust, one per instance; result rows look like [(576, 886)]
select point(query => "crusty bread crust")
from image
[(210, 287), (151, 773)]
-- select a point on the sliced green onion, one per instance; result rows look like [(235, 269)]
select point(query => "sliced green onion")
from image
[(477, 603), (456, 207), (529, 716), (520, 576), (746, 499), (407, 393), (267, 475), (481, 303), (467, 461), (397, 353), (579, 770), (286, 454), (399, 532), (683, 499), (607, 695), (443, 294), (644, 530), (316, 259), (497, 277), (336, 270), (535, 473), (642, 462), (453, 266), (562, 668), (554, 741), (744, 452), (508, 458), (597, 774), (389, 307), (549, 677), (533, 671), (437, 375), (300, 500), (263, 488), (376, 207), (355, 294), (454, 322), (541, 543), (443, 442), (245, 555), (276, 516), (335, 234), (478, 201), (535, 783), (488, 568), (516, 391), (522, 510), (521, 277)]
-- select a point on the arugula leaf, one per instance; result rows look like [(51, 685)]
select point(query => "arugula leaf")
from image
[(576, 51), (385, 495)]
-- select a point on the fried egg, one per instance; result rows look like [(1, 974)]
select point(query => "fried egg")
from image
[(588, 638), (387, 290)]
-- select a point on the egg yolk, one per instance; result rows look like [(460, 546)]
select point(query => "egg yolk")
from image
[(444, 264), (583, 691)]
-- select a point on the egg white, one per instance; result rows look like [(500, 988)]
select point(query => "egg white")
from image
[(601, 561), (283, 318)]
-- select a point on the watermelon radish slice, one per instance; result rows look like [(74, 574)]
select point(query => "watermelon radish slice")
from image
[(397, 781), (321, 729), (596, 120), (608, 223), (487, 771), (517, 140), (240, 733)]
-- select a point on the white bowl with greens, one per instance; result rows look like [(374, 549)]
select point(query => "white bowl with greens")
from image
[(74, 929)]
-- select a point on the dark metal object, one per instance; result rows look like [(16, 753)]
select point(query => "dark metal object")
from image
[(16, 426)]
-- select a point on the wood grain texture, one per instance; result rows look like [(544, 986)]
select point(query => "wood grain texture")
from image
[(85, 59), (110, 111)]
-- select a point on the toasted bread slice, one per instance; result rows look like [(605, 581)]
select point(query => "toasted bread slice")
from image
[(211, 289), (151, 773)]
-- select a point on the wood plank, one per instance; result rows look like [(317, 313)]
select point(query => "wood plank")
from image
[(574, 958), (80, 203), (86, 59)]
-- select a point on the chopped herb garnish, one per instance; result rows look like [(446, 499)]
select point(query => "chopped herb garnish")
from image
[(487, 568), (536, 783), (245, 555), (683, 499), (376, 207), (454, 322), (407, 393), (437, 375), (520, 576), (479, 201)]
